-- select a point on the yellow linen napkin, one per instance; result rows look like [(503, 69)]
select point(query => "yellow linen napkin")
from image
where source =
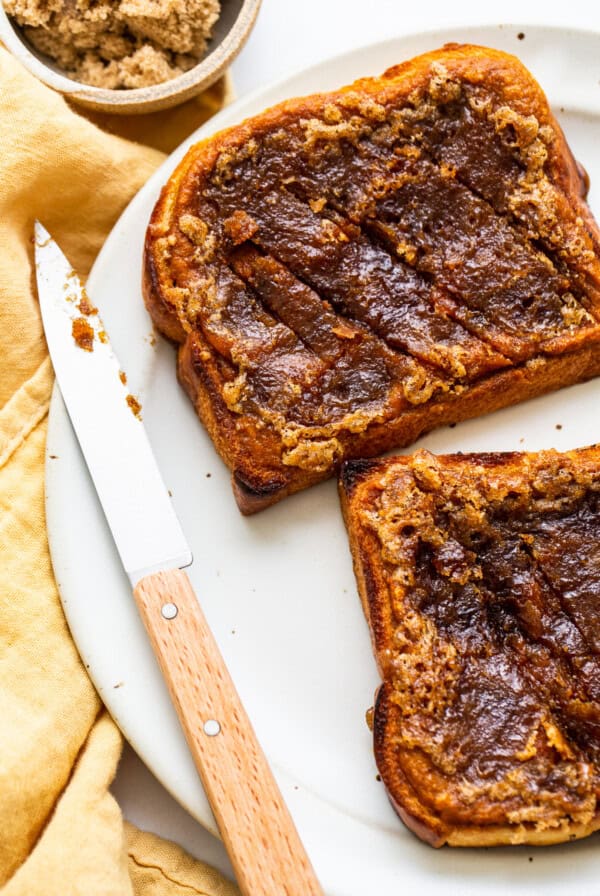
[(61, 831)]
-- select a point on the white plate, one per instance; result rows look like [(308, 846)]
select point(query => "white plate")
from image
[(278, 588)]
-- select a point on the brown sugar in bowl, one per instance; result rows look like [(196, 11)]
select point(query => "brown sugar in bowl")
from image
[(230, 33)]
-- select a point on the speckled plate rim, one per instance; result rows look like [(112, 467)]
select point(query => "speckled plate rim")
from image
[(352, 854)]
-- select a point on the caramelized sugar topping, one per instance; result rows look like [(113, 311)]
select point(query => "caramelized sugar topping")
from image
[(379, 253), (492, 657)]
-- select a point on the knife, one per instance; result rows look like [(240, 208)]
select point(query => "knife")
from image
[(258, 832)]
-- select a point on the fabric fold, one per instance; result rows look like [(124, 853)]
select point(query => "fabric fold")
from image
[(61, 831)]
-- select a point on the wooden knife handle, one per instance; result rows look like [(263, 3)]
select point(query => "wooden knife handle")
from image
[(257, 829)]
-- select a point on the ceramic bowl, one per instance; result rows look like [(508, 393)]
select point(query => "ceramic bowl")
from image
[(230, 33)]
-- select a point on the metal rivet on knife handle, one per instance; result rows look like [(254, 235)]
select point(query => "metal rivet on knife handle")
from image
[(169, 611), (212, 727)]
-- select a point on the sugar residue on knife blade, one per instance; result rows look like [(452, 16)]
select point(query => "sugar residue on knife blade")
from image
[(135, 406), (83, 334), (86, 307)]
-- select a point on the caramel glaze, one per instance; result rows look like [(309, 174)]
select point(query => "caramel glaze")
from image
[(490, 643), (395, 255), (406, 233), (528, 636)]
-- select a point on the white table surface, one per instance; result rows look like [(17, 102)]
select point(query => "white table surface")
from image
[(289, 35)]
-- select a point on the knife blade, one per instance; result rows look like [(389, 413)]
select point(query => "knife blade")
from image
[(257, 829), (113, 439)]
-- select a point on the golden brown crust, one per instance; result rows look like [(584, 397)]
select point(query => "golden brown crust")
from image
[(271, 448), (471, 569)]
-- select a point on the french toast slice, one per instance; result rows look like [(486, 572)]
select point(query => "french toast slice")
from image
[(347, 271), (480, 579)]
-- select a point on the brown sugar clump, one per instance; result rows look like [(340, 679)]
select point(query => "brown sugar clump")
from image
[(83, 334), (480, 580), (85, 306), (118, 43), (134, 405)]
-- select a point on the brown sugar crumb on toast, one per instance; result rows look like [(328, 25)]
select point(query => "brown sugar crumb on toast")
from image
[(480, 579), (349, 270)]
